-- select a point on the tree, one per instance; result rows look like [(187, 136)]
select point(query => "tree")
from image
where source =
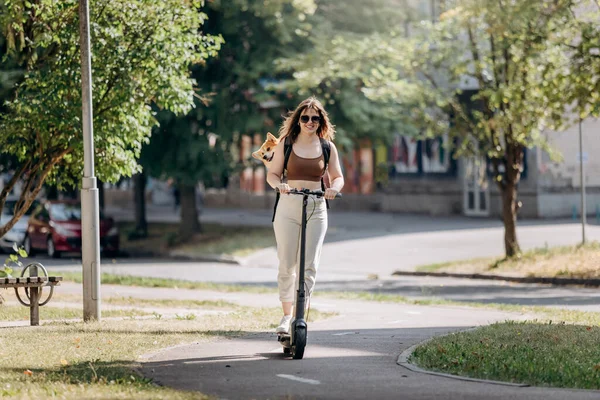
[(142, 50), (195, 148), (513, 51), (178, 150), (583, 43), (333, 70)]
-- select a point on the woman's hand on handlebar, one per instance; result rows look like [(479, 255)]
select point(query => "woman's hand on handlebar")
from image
[(330, 194), (283, 188)]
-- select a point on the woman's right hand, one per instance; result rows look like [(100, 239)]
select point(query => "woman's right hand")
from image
[(283, 188)]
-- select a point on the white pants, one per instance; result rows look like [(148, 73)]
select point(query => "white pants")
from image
[(288, 228)]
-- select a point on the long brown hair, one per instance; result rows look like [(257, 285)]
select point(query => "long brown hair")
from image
[(290, 126)]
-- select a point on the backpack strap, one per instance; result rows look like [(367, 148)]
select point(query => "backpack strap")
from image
[(326, 146), (287, 150)]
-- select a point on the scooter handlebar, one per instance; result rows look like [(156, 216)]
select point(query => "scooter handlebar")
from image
[(318, 193)]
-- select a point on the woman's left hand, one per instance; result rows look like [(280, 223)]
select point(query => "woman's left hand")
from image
[(330, 193)]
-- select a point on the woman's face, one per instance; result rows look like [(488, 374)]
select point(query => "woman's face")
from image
[(309, 120)]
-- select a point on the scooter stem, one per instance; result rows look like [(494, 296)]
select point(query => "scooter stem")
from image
[(301, 294)]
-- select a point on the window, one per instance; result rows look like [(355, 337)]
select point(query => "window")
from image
[(409, 156)]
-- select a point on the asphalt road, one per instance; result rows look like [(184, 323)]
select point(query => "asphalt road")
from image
[(364, 243)]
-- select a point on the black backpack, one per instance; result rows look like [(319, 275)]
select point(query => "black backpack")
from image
[(287, 150)]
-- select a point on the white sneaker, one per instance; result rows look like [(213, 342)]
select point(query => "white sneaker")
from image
[(284, 325)]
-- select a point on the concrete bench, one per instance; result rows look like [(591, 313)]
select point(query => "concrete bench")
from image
[(33, 286)]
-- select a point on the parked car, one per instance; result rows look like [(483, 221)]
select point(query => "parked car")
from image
[(55, 227), (16, 235)]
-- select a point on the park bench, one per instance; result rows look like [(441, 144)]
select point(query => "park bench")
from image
[(33, 286)]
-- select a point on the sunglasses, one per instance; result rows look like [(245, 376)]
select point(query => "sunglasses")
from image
[(306, 118)]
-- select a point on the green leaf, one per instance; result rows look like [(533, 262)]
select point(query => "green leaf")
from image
[(6, 272), (142, 54)]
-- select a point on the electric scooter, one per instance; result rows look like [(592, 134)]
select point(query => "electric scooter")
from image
[(294, 342)]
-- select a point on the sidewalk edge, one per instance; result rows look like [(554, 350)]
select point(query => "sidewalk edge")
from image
[(591, 282)]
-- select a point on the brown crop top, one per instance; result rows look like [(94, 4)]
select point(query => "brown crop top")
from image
[(305, 169)]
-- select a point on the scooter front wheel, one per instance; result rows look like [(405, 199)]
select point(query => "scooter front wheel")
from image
[(299, 343)]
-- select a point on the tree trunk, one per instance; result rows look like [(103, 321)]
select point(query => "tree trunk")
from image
[(139, 189), (508, 188), (189, 224), (509, 216)]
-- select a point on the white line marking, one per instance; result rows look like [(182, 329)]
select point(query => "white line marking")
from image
[(296, 378), (344, 333), (413, 312), (397, 322)]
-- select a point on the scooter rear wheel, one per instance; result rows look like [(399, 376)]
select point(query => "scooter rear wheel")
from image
[(299, 343)]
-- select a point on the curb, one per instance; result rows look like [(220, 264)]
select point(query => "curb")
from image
[(405, 355), (592, 282)]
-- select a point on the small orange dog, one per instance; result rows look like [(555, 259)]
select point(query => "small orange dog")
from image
[(267, 150)]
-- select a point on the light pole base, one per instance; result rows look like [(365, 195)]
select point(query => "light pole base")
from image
[(90, 250)]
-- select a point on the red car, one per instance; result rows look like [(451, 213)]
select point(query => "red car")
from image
[(55, 227)]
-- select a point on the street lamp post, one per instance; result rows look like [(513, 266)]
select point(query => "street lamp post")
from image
[(582, 181), (90, 235)]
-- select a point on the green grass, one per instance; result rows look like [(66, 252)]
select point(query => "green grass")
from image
[(130, 280), (232, 241), (438, 266), (77, 300), (96, 360), (540, 354), (170, 303), (581, 261), (215, 239), (21, 313)]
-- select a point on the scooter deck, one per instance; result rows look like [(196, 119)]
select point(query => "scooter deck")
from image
[(285, 339)]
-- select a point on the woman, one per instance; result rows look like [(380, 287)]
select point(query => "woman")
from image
[(305, 127)]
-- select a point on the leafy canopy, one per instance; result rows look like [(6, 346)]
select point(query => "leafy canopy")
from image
[(141, 54), (235, 98)]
